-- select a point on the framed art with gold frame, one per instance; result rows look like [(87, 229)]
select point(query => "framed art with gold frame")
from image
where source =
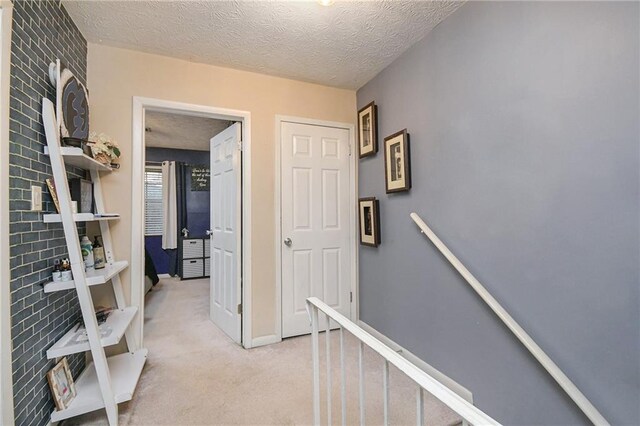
[(61, 383)]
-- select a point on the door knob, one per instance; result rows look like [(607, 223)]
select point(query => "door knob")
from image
[(288, 242), (208, 232)]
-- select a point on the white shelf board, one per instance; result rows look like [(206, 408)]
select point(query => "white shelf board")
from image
[(94, 277), (81, 217), (75, 157), (118, 321), (124, 369)]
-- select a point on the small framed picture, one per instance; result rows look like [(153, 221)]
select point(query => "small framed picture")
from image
[(54, 195), (397, 162), (369, 221), (61, 383), (82, 192), (367, 130)]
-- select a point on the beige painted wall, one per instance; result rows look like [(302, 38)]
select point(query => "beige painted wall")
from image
[(116, 75)]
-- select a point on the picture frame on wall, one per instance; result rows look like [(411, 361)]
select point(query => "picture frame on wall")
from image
[(369, 213), (61, 383), (368, 130), (397, 162)]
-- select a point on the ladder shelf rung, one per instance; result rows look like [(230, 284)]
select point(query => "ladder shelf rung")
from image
[(124, 369), (95, 277), (81, 217), (75, 157), (118, 321)]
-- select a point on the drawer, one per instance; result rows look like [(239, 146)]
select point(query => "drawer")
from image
[(207, 247), (192, 268), (192, 248), (207, 267)]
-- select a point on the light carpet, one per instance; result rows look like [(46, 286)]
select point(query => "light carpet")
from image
[(195, 375)]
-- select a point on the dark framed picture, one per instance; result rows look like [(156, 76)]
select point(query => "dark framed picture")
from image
[(61, 383), (369, 221), (397, 162), (82, 191), (367, 130)]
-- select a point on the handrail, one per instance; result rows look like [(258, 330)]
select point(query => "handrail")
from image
[(565, 383), (455, 402)]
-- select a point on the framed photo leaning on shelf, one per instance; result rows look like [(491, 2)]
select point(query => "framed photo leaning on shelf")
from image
[(61, 383)]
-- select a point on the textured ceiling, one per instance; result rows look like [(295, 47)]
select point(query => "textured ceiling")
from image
[(344, 45), (166, 130)]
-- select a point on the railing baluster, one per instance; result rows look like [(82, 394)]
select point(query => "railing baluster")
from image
[(343, 379), (316, 365), (420, 407), (328, 348), (424, 381), (361, 364), (385, 395)]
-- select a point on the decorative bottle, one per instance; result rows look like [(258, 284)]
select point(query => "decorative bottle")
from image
[(98, 254), (87, 252)]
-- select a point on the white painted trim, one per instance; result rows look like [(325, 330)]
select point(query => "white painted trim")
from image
[(353, 178), (140, 104), (266, 340), (164, 276), (438, 375), (6, 379)]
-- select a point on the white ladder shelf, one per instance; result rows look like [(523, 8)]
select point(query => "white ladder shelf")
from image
[(107, 381)]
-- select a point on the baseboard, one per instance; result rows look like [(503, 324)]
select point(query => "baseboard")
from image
[(265, 340), (164, 276), (445, 380)]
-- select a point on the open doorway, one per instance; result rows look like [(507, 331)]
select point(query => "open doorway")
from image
[(202, 148)]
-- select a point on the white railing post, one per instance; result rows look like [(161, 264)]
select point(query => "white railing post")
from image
[(328, 348), (343, 380), (419, 407), (385, 389), (361, 374), (316, 364), (451, 399)]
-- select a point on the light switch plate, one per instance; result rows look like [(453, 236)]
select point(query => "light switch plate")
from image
[(36, 198)]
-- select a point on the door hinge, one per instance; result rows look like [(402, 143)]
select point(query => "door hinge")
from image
[(240, 309), (350, 297), (349, 150), (240, 145)]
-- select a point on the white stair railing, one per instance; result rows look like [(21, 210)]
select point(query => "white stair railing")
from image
[(423, 381), (565, 383)]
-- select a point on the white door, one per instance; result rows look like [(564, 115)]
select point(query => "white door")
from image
[(225, 235), (316, 229)]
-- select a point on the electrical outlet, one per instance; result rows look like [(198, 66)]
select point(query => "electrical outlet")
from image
[(36, 198)]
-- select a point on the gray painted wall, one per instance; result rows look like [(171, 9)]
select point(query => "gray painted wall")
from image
[(524, 144)]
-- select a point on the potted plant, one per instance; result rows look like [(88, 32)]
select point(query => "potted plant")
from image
[(103, 148)]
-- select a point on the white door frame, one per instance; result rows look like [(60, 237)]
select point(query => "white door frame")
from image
[(353, 195), (140, 105), (6, 378)]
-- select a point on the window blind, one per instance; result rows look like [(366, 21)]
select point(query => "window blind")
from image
[(152, 201)]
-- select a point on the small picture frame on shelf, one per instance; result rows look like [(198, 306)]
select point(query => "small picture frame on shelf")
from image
[(61, 383), (369, 213), (82, 192), (397, 162), (367, 130), (51, 185)]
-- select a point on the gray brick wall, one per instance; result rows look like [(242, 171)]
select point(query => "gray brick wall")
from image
[(42, 32)]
